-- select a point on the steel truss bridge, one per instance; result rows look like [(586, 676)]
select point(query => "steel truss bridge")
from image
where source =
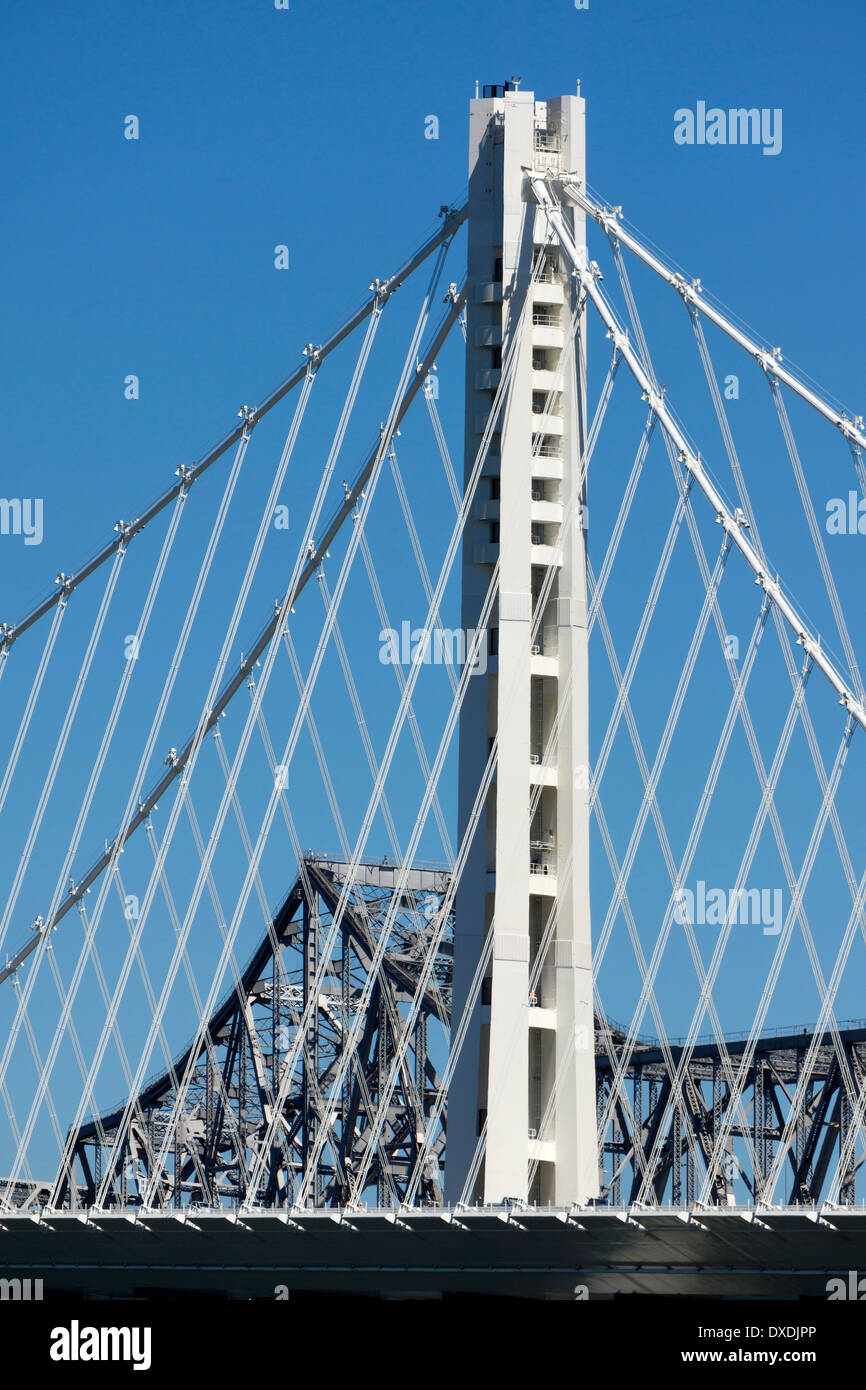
[(310, 1104), (236, 1078)]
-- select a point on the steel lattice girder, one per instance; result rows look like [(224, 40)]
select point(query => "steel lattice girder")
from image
[(664, 1142), (240, 1064)]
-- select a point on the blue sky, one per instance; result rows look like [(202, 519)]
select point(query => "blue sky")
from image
[(306, 127)]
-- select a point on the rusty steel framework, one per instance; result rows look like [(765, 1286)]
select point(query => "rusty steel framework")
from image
[(240, 1067)]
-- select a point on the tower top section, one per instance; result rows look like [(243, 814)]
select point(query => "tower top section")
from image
[(549, 134)]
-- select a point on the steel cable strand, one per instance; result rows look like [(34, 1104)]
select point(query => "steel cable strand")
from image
[(331, 976), (429, 958), (380, 603), (442, 445), (411, 717), (635, 319), (360, 718), (838, 833), (826, 1017), (670, 862), (274, 642), (458, 1038), (797, 467), (67, 1173), (784, 939), (662, 751), (691, 294), (206, 718), (859, 467), (817, 538), (118, 843), (539, 611), (436, 770), (144, 761), (804, 713), (637, 326), (32, 698), (649, 800), (381, 291), (27, 1024), (632, 310), (130, 820), (233, 684), (634, 316), (59, 750), (195, 995), (492, 418), (418, 553), (166, 1051), (460, 522), (113, 718), (369, 753), (848, 1145), (61, 742), (237, 983), (745, 864), (787, 929), (79, 1056), (692, 462), (429, 789), (621, 519), (678, 873), (640, 638), (691, 848), (227, 692)]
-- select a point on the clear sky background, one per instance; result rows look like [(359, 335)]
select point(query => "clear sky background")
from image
[(306, 127)]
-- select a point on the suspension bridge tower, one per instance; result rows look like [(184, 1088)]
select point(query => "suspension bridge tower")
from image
[(525, 1080)]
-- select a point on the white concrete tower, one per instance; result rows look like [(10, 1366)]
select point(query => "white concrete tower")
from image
[(527, 1064)]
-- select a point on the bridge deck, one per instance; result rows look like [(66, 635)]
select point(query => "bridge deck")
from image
[(734, 1253)]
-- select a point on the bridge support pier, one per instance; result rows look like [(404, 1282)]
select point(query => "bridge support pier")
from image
[(525, 1080)]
